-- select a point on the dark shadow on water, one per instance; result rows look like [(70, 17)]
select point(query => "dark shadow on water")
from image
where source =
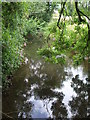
[(79, 104)]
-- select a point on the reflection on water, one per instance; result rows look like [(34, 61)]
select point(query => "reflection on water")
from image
[(46, 90)]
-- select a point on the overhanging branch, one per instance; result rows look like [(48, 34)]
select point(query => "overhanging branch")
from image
[(61, 14), (78, 12), (84, 15), (82, 20)]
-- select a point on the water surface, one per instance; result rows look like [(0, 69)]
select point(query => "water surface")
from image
[(45, 90)]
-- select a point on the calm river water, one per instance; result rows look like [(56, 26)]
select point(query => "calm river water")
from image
[(45, 90)]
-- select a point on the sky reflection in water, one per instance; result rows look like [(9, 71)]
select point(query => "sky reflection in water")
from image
[(43, 105), (43, 90)]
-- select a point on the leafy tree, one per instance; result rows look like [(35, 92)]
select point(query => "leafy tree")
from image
[(73, 33), (86, 19)]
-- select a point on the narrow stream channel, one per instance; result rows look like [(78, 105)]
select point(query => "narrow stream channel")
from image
[(44, 90)]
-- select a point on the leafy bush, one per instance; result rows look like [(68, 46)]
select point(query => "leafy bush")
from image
[(11, 51), (19, 20), (13, 24), (33, 26), (52, 55)]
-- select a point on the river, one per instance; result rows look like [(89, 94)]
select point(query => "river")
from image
[(45, 90)]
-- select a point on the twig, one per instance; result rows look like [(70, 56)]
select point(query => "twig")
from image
[(12, 112), (84, 15), (7, 115)]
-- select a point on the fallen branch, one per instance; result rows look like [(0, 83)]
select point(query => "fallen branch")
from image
[(7, 115)]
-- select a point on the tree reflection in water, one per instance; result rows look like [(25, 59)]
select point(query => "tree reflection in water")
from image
[(52, 101), (58, 108), (45, 90), (79, 104)]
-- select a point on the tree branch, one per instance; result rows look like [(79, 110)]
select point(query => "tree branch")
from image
[(61, 14), (82, 20), (78, 12), (84, 15)]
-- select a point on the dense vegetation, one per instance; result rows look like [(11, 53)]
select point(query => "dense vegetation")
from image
[(18, 21), (65, 34), (71, 36)]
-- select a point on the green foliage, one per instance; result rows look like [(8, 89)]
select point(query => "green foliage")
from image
[(11, 51), (33, 26), (18, 20), (53, 55), (13, 25), (50, 29), (68, 39), (85, 7), (53, 51), (14, 14), (42, 10), (21, 19), (78, 58), (77, 41)]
